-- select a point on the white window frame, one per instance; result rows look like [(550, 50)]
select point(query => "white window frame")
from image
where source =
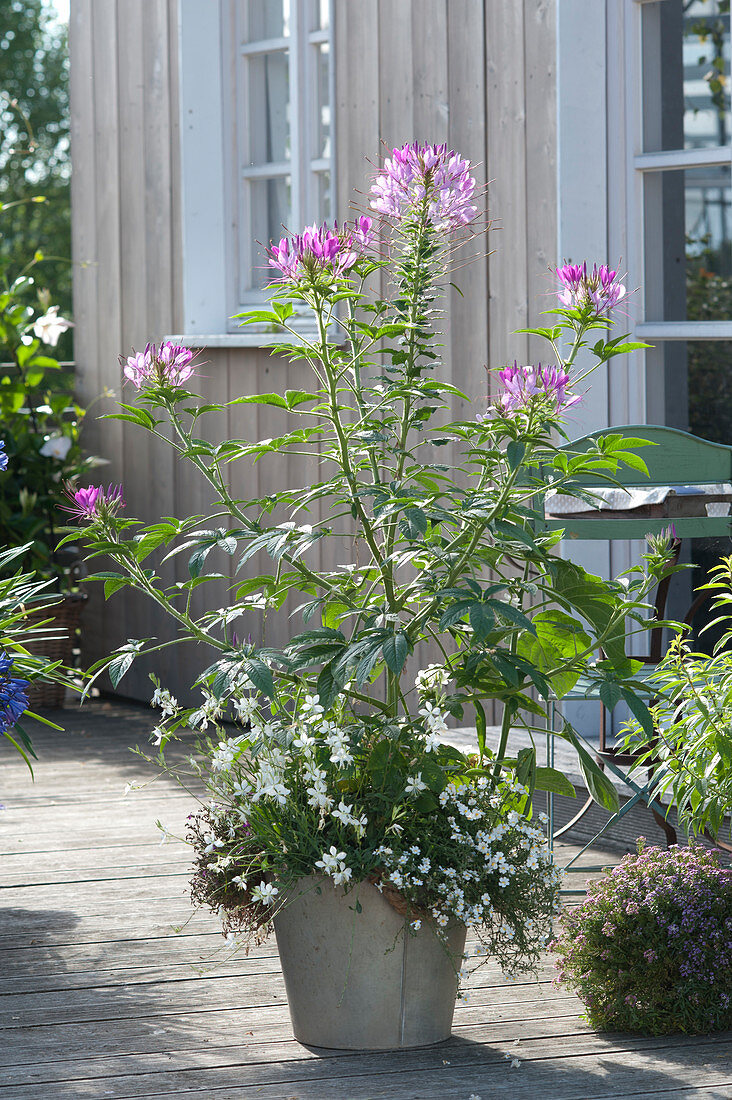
[(640, 165), (215, 234)]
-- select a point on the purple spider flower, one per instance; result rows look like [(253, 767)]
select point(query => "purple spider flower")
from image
[(170, 365), (3, 456), (523, 384), (13, 694), (601, 288), (94, 502), (319, 251), (417, 173)]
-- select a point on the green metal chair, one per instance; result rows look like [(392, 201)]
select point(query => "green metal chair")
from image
[(697, 474)]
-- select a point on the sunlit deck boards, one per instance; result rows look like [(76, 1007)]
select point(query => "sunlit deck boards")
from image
[(100, 997)]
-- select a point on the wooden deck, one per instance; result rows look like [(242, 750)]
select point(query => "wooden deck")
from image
[(110, 986)]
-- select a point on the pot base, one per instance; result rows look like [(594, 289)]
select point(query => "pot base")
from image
[(357, 977)]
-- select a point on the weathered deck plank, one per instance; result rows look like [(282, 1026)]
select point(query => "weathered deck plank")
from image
[(101, 997)]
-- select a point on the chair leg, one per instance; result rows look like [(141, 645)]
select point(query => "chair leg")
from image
[(671, 837)]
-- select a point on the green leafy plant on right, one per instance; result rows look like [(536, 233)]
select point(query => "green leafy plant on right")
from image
[(689, 750), (650, 948)]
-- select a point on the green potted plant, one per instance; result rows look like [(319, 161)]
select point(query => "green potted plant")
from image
[(336, 808)]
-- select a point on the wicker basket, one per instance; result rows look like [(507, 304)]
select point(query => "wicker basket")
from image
[(64, 622)]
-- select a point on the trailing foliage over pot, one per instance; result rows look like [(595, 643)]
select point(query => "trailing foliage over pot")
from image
[(340, 767)]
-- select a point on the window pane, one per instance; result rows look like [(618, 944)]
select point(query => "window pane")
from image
[(269, 212), (325, 204), (687, 245), (322, 122), (268, 93), (323, 8), (268, 19), (686, 66)]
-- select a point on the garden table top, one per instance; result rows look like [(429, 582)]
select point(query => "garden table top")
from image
[(101, 996)]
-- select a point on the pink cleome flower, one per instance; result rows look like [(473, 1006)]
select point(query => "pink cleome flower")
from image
[(94, 502), (523, 384), (601, 288), (319, 250), (170, 365), (417, 172)]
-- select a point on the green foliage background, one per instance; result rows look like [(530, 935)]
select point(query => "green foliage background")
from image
[(34, 148)]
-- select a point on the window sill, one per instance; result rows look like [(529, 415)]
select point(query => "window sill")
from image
[(257, 339)]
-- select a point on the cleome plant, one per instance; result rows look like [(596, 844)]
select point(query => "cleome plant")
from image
[(336, 763)]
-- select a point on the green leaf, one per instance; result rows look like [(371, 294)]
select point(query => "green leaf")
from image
[(558, 640), (599, 786), (610, 694), (126, 654), (481, 619), (549, 779), (640, 711), (260, 676), (480, 726), (395, 651), (515, 452)]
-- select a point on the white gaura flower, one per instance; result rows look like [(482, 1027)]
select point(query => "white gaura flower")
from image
[(415, 784), (343, 874), (224, 755), (330, 860), (163, 699), (265, 892), (56, 446), (212, 843), (246, 708), (49, 327)]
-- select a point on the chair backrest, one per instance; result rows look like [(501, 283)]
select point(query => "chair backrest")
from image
[(675, 458)]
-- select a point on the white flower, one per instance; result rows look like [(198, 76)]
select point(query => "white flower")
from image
[(163, 699), (56, 446), (49, 327), (211, 843), (330, 860), (416, 925), (157, 735), (432, 678), (415, 784), (342, 875), (224, 755), (245, 708), (265, 892)]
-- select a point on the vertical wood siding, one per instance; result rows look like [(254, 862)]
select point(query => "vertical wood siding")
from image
[(478, 74)]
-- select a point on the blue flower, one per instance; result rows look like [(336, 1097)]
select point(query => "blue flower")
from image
[(13, 697), (3, 456)]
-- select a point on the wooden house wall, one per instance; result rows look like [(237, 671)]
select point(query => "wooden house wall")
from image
[(478, 74)]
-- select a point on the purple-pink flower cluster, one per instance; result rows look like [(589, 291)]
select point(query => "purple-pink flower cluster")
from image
[(522, 385), (319, 251), (652, 939), (93, 502), (600, 288), (170, 365), (425, 174)]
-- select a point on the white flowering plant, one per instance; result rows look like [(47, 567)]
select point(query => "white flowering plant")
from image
[(337, 764)]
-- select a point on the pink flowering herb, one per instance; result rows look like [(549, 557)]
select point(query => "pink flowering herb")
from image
[(93, 502), (169, 365), (320, 251), (600, 289), (522, 385), (417, 173)]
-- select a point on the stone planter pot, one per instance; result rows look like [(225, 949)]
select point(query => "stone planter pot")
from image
[(361, 980)]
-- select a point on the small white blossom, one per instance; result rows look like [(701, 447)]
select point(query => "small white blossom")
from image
[(265, 892)]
